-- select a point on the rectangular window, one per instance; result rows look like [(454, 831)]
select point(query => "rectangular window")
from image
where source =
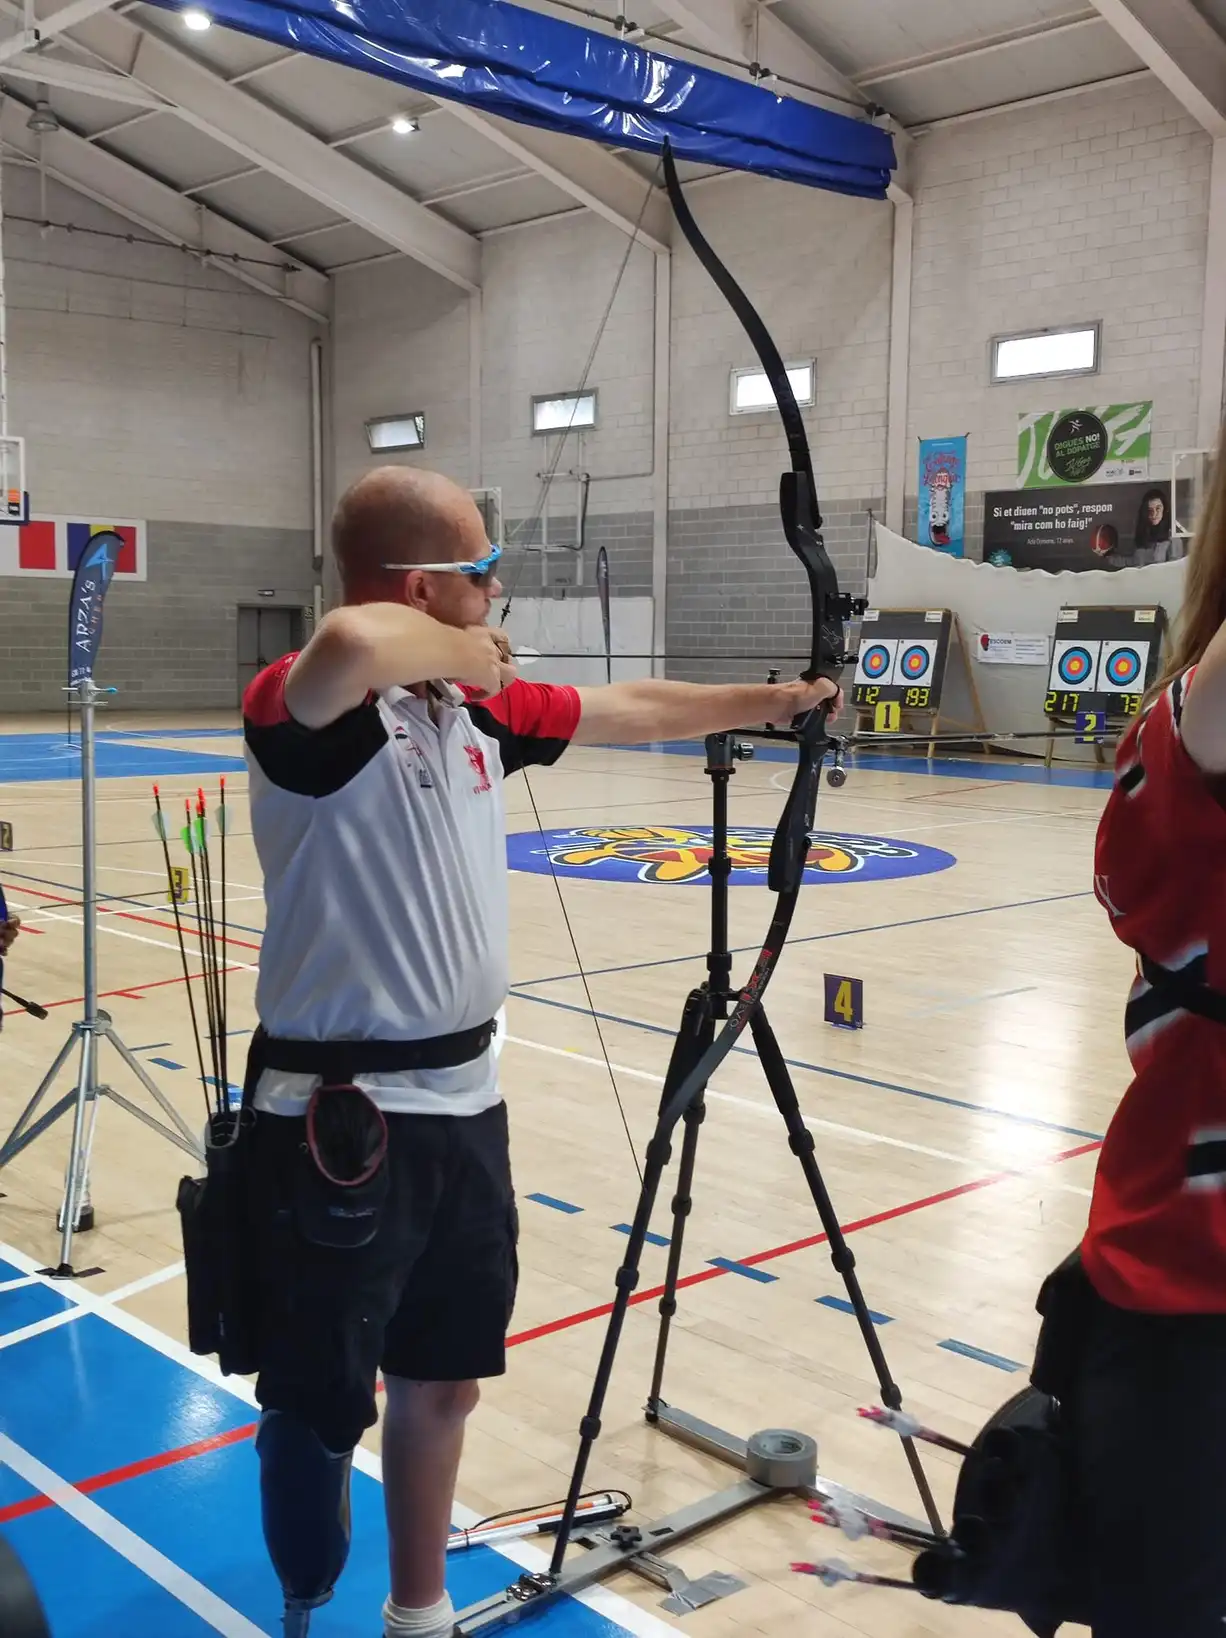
[(389, 432), (750, 391), (563, 412), (1072, 351)]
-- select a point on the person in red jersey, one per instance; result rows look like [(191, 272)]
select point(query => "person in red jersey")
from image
[(382, 1221), (1148, 1396)]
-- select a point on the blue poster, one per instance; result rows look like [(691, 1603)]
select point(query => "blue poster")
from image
[(92, 576), (942, 494)]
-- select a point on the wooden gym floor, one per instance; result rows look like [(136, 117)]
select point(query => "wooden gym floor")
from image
[(957, 1132)]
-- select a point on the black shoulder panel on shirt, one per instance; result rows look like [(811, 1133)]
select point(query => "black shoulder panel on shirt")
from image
[(516, 750), (318, 761)]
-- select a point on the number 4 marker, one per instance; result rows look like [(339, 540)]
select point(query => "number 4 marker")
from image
[(844, 1001)]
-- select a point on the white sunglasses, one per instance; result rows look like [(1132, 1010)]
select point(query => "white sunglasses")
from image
[(481, 569)]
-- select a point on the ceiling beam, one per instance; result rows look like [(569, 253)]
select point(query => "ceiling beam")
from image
[(278, 145), (757, 35), (987, 46), (53, 23), (44, 69), (1182, 48), (141, 199), (584, 170)]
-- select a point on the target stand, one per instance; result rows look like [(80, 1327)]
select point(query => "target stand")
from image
[(1103, 661), (903, 669)]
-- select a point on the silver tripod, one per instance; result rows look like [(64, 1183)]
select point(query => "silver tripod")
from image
[(87, 1033)]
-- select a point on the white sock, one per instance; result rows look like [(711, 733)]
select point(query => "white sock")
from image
[(435, 1621)]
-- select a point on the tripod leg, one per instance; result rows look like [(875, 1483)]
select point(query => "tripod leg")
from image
[(659, 1153), (85, 1087), (12, 1145), (697, 1033), (800, 1141)]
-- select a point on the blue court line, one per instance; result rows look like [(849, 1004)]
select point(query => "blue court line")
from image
[(653, 1239), (731, 1267), (27, 1304), (164, 1063), (980, 1356), (56, 761), (556, 1205), (941, 767), (837, 1074), (817, 938), (842, 1306)]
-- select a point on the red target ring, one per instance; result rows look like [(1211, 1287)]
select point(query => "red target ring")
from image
[(915, 662), (1124, 667), (1075, 665), (876, 661)]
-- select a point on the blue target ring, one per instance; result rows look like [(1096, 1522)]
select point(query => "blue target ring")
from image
[(1075, 666), (915, 662), (1124, 667), (876, 661)]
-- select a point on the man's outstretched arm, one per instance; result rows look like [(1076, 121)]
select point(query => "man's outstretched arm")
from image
[(627, 713)]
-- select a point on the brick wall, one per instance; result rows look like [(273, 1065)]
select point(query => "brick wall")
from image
[(1093, 208), (169, 643)]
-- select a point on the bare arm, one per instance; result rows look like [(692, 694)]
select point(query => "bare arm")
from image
[(369, 647), (627, 713), (1203, 725)]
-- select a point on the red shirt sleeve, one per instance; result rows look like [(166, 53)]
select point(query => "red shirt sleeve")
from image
[(264, 697), (532, 722)]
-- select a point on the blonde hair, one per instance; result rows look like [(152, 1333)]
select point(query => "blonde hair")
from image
[(1204, 594)]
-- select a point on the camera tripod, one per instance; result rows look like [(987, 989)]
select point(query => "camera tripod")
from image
[(773, 1462)]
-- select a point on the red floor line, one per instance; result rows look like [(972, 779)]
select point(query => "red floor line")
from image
[(218, 1441), (128, 915), (131, 990)]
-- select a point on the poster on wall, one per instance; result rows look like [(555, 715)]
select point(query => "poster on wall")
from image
[(1109, 444), (942, 494), (1101, 526)]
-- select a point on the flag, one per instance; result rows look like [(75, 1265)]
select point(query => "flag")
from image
[(94, 567)]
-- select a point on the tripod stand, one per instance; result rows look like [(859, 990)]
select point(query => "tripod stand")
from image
[(774, 1462), (88, 1032)]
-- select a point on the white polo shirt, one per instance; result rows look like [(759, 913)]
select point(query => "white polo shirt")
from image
[(382, 840)]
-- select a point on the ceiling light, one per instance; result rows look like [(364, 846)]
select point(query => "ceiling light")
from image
[(42, 120), (404, 126), (197, 20)]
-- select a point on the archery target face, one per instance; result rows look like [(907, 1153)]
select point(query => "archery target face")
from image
[(1122, 667), (876, 660), (1074, 665), (915, 663)]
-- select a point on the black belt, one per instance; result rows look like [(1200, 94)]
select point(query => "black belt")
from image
[(339, 1061), (1189, 993)]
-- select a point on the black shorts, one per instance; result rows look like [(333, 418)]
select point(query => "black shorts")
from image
[(1149, 1427), (429, 1298)]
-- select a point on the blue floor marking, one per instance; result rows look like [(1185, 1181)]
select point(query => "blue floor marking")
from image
[(8, 1272), (980, 1356), (941, 767), (818, 938), (34, 758), (165, 1063), (556, 1205), (27, 1304), (731, 1267), (842, 1306), (837, 1074), (653, 1239), (118, 1400)]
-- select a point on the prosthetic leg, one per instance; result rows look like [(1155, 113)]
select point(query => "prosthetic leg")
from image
[(304, 1494)]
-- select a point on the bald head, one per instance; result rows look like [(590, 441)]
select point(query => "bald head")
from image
[(397, 514)]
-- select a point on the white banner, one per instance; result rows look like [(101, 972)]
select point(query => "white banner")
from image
[(50, 548), (1012, 648)]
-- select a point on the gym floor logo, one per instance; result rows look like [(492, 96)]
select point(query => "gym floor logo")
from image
[(679, 856)]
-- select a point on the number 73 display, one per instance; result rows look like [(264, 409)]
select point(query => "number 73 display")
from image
[(1103, 660)]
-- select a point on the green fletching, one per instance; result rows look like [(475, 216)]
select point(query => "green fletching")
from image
[(186, 837), (159, 824)]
